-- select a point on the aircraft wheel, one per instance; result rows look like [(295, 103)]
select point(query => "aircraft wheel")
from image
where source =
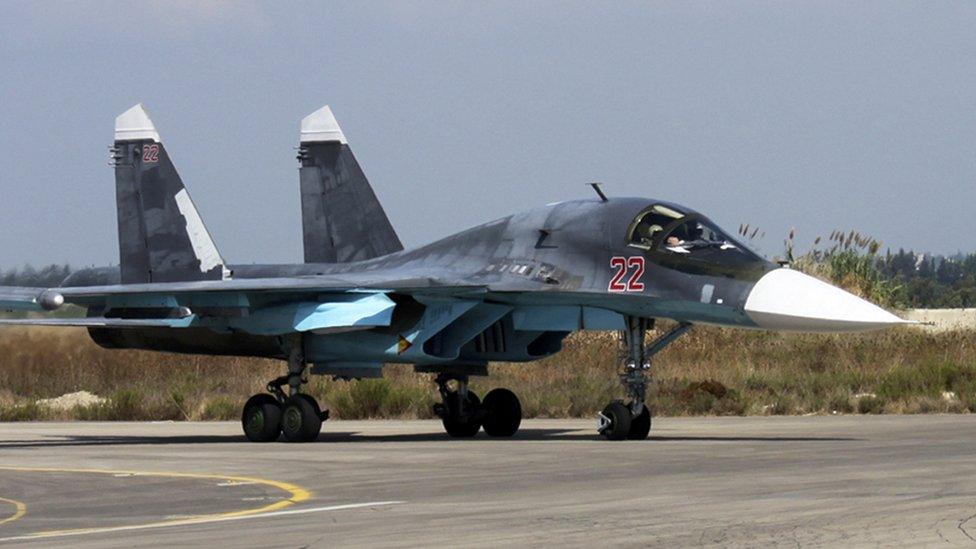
[(640, 425), (503, 413), (615, 421), (261, 418), (459, 426), (301, 419)]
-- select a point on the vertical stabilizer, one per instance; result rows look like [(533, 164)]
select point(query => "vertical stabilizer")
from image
[(161, 235), (342, 220)]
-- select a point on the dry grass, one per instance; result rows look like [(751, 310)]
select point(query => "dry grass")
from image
[(709, 371)]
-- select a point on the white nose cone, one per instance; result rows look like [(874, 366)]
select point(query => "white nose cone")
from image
[(785, 299)]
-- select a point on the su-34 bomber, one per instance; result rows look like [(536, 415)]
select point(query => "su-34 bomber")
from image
[(509, 290)]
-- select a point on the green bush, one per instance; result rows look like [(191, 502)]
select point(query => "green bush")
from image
[(27, 411), (221, 408), (870, 405)]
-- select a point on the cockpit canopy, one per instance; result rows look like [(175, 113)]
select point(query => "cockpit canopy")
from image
[(689, 242), (648, 228)]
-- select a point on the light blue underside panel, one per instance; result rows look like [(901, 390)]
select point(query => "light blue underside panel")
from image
[(565, 318), (401, 346), (544, 318), (595, 318), (438, 315), (448, 342), (342, 311)]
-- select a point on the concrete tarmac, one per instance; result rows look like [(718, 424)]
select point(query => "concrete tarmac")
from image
[(806, 481)]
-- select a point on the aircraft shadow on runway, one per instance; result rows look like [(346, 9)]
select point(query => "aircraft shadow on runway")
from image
[(524, 435)]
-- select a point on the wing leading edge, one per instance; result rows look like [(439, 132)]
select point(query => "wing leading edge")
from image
[(20, 299), (274, 306)]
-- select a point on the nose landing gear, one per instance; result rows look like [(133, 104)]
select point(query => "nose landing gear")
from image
[(619, 421), (614, 421)]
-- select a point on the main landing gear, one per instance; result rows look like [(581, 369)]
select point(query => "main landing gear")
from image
[(463, 413), (619, 421), (295, 415)]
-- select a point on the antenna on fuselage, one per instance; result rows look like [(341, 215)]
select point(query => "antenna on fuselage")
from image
[(599, 191)]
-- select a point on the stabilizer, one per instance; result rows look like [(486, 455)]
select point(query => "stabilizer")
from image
[(161, 235), (342, 220)]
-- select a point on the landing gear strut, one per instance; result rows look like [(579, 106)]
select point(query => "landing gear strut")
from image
[(460, 409), (619, 421), (463, 413), (296, 415)]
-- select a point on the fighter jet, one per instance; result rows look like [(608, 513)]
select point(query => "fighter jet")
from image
[(510, 290)]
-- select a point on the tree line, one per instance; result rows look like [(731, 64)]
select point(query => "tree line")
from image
[(931, 281), (45, 277)]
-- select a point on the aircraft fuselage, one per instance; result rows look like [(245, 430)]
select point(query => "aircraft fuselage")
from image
[(549, 271)]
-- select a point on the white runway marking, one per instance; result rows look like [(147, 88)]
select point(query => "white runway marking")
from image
[(194, 521)]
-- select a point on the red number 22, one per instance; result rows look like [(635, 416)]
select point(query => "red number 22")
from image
[(150, 154), (623, 265)]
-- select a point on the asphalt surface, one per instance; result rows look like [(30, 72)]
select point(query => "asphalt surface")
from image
[(835, 481)]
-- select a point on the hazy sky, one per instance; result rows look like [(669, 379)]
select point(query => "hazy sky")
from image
[(816, 115)]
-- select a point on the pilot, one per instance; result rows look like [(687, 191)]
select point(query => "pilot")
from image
[(692, 236), (648, 233)]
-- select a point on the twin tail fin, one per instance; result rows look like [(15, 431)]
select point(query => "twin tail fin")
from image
[(342, 220), (161, 235)]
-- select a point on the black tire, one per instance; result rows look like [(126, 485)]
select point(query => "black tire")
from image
[(300, 419), (457, 427), (618, 416), (640, 426), (261, 418), (503, 413)]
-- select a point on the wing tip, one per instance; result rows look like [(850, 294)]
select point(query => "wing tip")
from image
[(135, 125), (321, 127)]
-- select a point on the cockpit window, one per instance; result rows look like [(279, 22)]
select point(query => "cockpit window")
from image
[(696, 234), (692, 243), (650, 223)]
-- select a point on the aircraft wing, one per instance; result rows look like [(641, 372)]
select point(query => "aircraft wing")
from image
[(258, 285), (100, 322), (20, 299), (29, 299), (190, 293), (270, 306), (39, 299)]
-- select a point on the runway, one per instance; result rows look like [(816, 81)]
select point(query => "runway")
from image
[(792, 482)]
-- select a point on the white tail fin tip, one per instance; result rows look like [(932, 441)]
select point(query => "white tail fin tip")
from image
[(321, 126), (135, 124)]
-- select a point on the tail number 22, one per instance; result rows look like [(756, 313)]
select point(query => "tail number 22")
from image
[(624, 265)]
